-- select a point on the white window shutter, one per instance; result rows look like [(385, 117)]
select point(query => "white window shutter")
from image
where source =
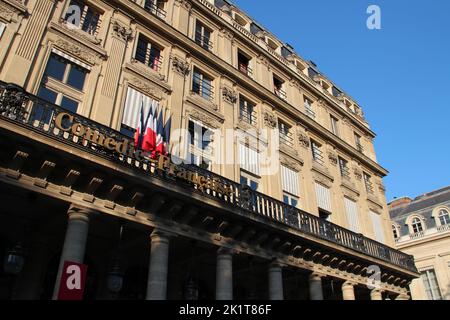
[(249, 159), (289, 180), (131, 114), (377, 226), (323, 197), (352, 215)]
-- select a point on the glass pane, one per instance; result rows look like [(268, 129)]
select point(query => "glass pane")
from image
[(294, 202), (244, 180), (90, 22), (77, 77), (286, 199), (206, 92), (196, 82), (155, 55), (253, 185), (141, 50), (56, 67), (69, 104), (41, 112)]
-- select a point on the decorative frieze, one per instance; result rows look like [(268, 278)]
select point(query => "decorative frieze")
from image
[(77, 51), (75, 32), (147, 88), (291, 163), (204, 118), (229, 95)]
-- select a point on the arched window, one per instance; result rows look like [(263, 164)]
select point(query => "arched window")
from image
[(417, 225), (395, 232), (444, 217)]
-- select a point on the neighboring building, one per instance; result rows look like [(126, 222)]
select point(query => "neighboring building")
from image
[(421, 227), (309, 223)]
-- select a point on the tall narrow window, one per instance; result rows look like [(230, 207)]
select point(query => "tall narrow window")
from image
[(358, 143), (351, 209), (417, 225), (317, 152), (201, 150), (431, 285), (89, 21), (343, 166), (289, 182), (444, 217), (202, 84), (368, 183), (334, 125), (285, 133), (247, 112), (155, 7), (2, 29), (278, 87), (148, 53), (244, 64), (203, 36), (377, 226), (308, 104)]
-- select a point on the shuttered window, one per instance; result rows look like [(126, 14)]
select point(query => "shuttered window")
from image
[(352, 215), (431, 285), (377, 226), (2, 29), (249, 159), (131, 114), (323, 197), (289, 181)]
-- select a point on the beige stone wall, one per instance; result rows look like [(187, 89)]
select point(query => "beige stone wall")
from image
[(29, 39), (432, 252)]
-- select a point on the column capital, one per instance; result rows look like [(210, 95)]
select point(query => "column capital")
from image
[(348, 284), (161, 235), (77, 212), (316, 276), (225, 251)]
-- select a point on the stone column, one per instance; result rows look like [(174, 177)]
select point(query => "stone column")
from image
[(157, 274), (275, 281), (315, 287), (75, 241), (376, 294), (348, 290), (224, 275)]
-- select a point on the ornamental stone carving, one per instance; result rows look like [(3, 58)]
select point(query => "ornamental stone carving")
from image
[(290, 163), (77, 51), (227, 34), (229, 95), (303, 139), (79, 33), (270, 120), (180, 66), (332, 156), (186, 4), (121, 31), (205, 119), (146, 88), (6, 13), (358, 173)]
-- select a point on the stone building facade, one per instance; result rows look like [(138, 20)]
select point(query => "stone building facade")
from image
[(310, 223), (421, 227)]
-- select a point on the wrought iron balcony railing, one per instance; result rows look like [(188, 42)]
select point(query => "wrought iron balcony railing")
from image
[(38, 115)]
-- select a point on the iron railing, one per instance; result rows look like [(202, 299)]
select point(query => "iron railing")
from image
[(38, 115)]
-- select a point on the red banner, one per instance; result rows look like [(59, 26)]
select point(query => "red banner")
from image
[(73, 280)]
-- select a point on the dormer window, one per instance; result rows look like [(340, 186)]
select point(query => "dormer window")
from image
[(336, 92), (244, 64), (203, 36), (417, 225), (278, 87), (240, 20), (272, 44), (89, 19), (444, 217)]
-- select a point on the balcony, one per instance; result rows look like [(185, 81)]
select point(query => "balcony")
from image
[(430, 232), (37, 116)]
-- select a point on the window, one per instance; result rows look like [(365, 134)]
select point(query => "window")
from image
[(203, 36), (377, 226), (278, 87), (395, 232), (249, 159), (309, 108), (2, 29), (247, 111), (336, 92), (343, 166), (244, 64), (202, 85), (89, 21), (148, 53), (417, 225), (201, 150), (431, 285), (290, 186), (334, 125), (133, 105), (444, 217), (62, 84), (155, 7), (351, 208), (323, 196), (316, 152), (249, 180), (368, 182), (358, 143), (285, 133)]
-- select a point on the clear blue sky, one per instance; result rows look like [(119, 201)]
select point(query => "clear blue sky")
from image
[(400, 75)]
